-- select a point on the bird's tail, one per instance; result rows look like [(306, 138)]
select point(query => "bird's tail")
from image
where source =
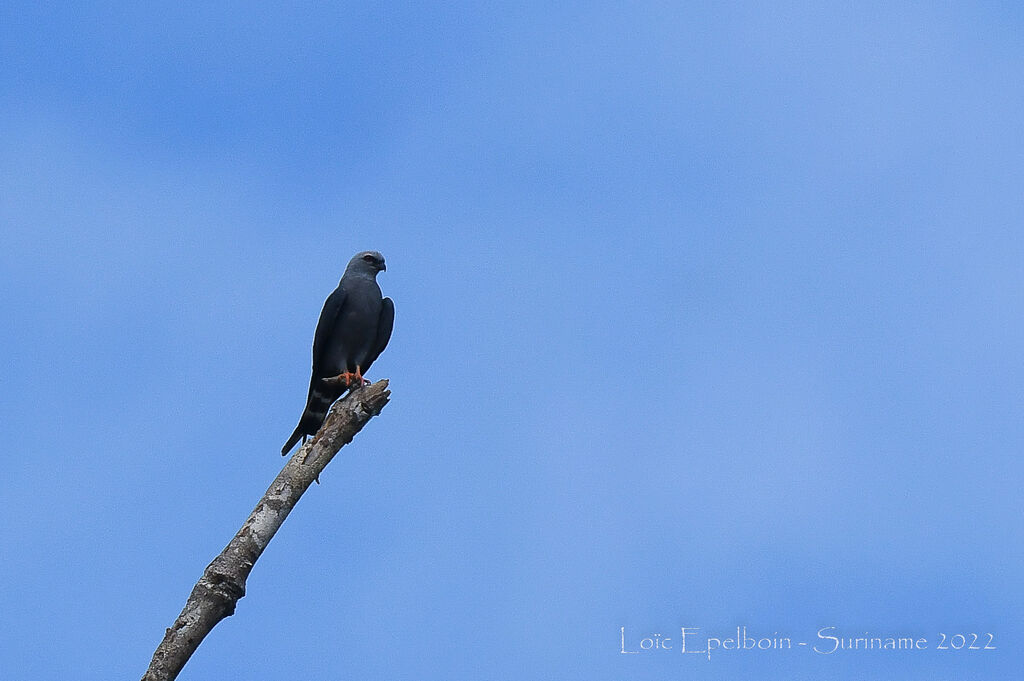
[(313, 415), (296, 436)]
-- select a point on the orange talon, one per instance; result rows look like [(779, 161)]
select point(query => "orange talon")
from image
[(348, 378)]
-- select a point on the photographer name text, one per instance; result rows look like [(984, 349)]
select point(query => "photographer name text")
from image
[(826, 641)]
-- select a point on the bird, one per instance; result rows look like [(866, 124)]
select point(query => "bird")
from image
[(354, 328)]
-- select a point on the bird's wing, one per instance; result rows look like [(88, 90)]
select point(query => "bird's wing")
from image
[(324, 327), (385, 324)]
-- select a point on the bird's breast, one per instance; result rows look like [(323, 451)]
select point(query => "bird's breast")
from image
[(355, 328)]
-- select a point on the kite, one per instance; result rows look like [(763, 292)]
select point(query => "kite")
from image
[(354, 328)]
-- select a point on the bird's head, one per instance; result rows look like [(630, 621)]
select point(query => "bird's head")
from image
[(367, 262)]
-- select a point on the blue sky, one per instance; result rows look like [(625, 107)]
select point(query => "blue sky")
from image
[(707, 316)]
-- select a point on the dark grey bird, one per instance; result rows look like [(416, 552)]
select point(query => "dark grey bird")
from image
[(354, 328)]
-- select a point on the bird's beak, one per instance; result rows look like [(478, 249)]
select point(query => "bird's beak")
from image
[(383, 267)]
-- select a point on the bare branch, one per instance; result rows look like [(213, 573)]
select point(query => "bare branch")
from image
[(223, 582)]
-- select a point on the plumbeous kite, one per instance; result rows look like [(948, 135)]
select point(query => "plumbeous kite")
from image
[(354, 328)]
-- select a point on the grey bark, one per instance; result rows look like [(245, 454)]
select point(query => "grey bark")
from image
[(223, 582)]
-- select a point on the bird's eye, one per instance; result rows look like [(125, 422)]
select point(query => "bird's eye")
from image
[(368, 258)]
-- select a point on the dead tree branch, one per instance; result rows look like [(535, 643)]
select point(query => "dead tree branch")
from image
[(223, 582)]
